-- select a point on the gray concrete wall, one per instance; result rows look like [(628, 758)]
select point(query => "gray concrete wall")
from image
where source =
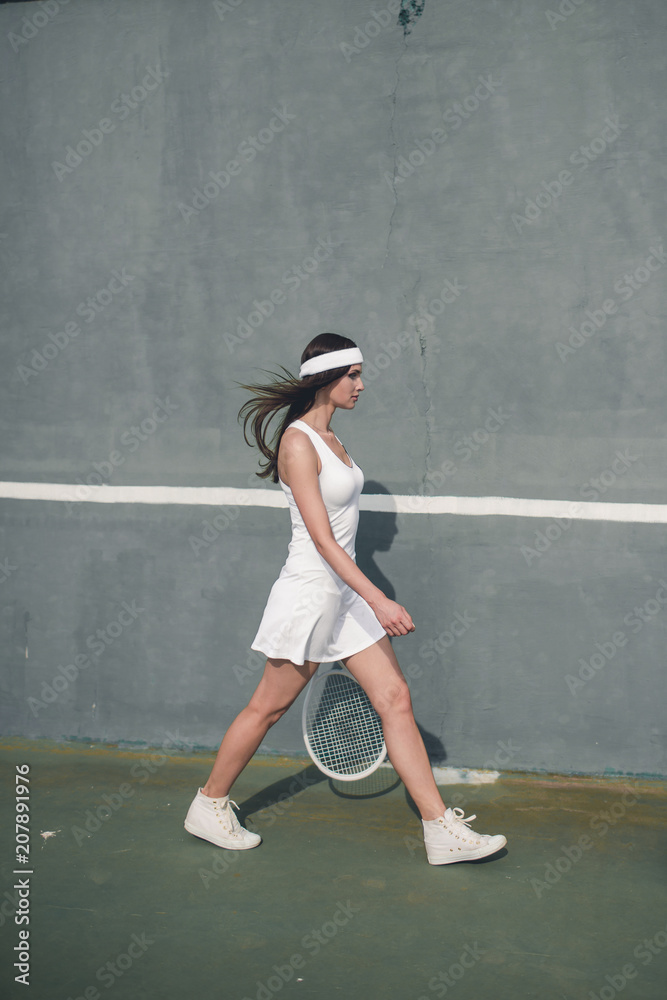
[(486, 190)]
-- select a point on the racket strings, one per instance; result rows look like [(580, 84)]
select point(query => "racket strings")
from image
[(344, 730)]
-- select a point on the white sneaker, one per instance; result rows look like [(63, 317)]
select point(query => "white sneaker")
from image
[(214, 820), (449, 838)]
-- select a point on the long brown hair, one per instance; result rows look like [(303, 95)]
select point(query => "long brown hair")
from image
[(297, 394)]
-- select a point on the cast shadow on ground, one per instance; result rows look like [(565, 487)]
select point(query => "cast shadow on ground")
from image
[(277, 797)]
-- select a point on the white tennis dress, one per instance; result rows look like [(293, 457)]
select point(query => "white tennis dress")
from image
[(311, 613)]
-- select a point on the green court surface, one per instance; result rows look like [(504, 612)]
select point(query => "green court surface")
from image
[(338, 900)]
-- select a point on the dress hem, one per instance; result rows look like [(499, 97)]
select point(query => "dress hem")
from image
[(344, 656)]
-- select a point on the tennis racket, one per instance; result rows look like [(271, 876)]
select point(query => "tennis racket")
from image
[(341, 729)]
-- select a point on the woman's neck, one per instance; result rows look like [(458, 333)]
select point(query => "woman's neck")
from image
[(319, 417)]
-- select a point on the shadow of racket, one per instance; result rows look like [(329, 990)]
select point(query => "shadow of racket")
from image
[(380, 782)]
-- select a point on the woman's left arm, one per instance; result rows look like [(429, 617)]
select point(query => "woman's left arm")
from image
[(300, 463)]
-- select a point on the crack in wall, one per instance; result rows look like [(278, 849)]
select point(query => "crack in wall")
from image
[(411, 299), (409, 13), (393, 146), (428, 415)]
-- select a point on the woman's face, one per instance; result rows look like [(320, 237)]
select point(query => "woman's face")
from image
[(344, 392)]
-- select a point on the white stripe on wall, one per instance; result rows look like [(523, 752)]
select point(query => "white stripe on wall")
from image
[(217, 496)]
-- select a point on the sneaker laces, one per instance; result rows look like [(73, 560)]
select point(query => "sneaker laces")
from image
[(230, 815), (461, 823), (459, 816)]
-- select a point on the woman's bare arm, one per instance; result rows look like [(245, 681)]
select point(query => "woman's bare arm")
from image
[(298, 470)]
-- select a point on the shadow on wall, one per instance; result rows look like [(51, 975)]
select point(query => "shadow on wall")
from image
[(376, 533)]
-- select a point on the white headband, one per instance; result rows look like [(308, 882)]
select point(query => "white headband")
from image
[(334, 359)]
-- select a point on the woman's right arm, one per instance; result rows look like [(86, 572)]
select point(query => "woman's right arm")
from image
[(298, 460)]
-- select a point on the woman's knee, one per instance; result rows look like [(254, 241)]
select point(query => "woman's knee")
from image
[(269, 712), (270, 704), (275, 694), (394, 700)]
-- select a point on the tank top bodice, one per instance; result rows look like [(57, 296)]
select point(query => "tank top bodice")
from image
[(340, 486)]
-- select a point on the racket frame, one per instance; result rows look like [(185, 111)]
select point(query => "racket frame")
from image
[(319, 679)]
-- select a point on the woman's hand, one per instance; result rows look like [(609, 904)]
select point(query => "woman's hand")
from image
[(393, 617)]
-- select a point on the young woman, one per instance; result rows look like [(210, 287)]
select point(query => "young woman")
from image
[(350, 620)]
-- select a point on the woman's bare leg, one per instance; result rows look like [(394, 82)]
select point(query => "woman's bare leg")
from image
[(280, 685), (377, 670)]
